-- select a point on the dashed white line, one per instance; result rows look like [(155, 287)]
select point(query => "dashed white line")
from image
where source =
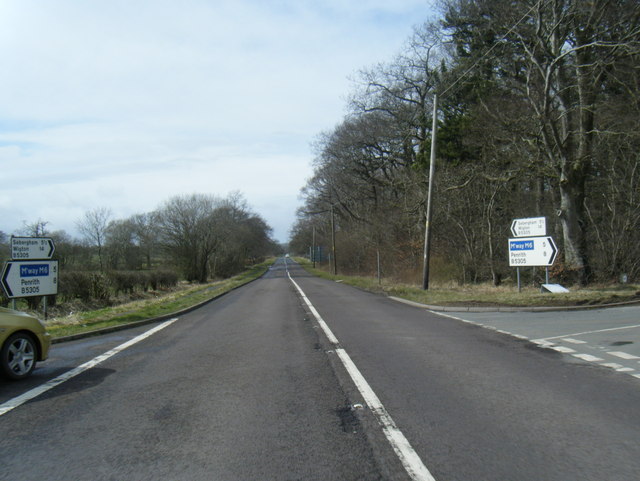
[(595, 332), (613, 365), (563, 349), (547, 343), (410, 460), (623, 355), (618, 367), (588, 357), (573, 341), (19, 400)]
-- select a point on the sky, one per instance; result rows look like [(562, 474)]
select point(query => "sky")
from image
[(124, 104)]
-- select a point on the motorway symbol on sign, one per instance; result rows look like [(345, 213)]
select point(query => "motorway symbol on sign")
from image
[(532, 251), (533, 226), (29, 248), (30, 278)]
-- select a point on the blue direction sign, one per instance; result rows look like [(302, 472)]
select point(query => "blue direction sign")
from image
[(30, 278), (532, 251)]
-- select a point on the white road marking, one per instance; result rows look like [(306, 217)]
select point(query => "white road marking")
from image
[(573, 341), (588, 357), (595, 332), (614, 365), (23, 398), (563, 349), (401, 446), (623, 355), (543, 342), (546, 342)]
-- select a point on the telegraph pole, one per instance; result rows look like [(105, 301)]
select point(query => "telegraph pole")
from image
[(333, 242), (313, 243), (432, 172)]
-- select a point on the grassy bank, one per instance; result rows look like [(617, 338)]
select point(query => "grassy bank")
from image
[(160, 304), (486, 295)]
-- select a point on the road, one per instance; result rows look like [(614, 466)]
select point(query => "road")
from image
[(237, 390), (609, 337), (251, 387)]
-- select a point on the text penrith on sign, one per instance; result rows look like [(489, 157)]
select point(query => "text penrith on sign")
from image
[(532, 251)]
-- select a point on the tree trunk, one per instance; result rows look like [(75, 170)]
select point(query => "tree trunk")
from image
[(573, 226)]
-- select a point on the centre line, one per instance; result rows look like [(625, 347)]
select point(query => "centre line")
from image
[(410, 460)]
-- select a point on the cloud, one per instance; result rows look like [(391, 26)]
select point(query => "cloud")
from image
[(124, 104)]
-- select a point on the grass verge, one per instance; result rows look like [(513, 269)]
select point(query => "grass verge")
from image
[(135, 311), (487, 295)]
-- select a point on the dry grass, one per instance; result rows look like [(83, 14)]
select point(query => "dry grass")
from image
[(152, 305), (452, 294)]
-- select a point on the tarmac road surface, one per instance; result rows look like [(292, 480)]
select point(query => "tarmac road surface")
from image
[(237, 390), (251, 387)]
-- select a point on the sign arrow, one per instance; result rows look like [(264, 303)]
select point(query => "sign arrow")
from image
[(533, 226), (52, 248), (5, 284), (32, 248), (532, 251), (30, 278)]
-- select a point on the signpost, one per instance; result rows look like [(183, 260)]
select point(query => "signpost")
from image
[(30, 278), (31, 273), (531, 246), (532, 251), (534, 226), (26, 248)]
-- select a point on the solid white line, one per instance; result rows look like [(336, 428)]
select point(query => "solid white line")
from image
[(23, 398), (595, 332), (400, 444), (332, 339)]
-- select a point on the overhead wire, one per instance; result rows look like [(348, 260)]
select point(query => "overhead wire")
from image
[(485, 54)]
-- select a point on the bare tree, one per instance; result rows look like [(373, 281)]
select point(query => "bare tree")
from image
[(558, 56), (189, 233), (35, 229), (93, 227)]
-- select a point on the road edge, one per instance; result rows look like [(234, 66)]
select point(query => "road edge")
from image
[(510, 308), (164, 317)]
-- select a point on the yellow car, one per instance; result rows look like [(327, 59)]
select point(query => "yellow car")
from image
[(24, 342)]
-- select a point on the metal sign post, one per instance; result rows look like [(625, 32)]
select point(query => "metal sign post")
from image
[(31, 273), (531, 246)]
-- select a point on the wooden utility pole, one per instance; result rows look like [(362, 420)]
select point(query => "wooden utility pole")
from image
[(432, 172), (333, 242)]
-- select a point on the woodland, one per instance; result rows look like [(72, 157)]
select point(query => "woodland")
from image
[(193, 238), (538, 115)]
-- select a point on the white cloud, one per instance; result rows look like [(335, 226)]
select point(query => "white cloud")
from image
[(123, 104)]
